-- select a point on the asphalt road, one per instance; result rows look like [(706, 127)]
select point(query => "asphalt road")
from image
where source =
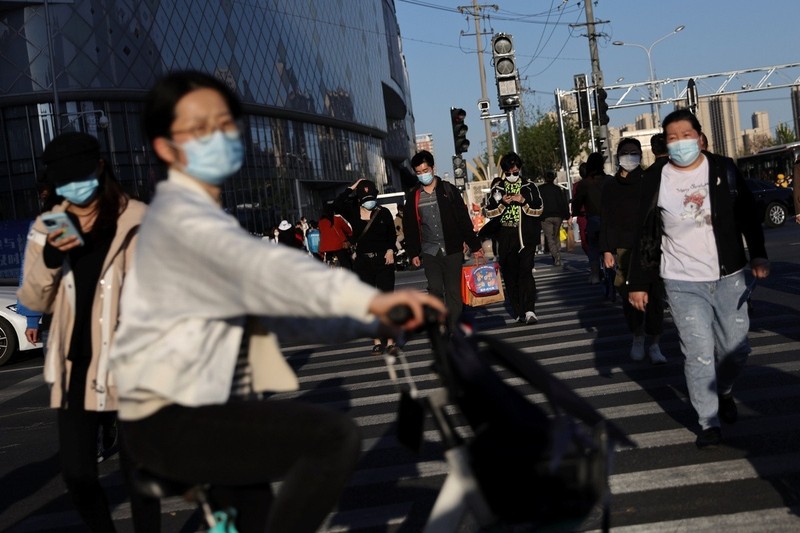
[(752, 483)]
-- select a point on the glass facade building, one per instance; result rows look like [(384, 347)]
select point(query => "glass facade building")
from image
[(323, 83)]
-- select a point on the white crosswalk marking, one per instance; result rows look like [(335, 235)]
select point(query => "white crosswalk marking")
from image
[(665, 485)]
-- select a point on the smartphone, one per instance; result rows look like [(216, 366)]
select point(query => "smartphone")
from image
[(61, 220)]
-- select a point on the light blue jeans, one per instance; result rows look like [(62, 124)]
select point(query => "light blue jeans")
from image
[(713, 337)]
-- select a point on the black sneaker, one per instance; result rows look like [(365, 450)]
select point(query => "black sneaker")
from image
[(728, 412), (709, 438)]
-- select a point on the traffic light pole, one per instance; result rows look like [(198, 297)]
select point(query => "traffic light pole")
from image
[(597, 74), (512, 130)]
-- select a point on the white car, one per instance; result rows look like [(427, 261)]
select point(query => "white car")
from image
[(12, 326)]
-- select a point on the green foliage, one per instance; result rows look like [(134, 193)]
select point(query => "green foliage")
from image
[(539, 143), (784, 134)]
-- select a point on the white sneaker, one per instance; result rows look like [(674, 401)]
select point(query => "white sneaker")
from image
[(530, 318), (637, 348), (656, 357)]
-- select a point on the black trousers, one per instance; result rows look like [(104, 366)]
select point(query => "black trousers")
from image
[(77, 437), (240, 447), (443, 273), (374, 271), (516, 266), (651, 321)]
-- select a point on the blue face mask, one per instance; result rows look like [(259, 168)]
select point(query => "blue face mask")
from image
[(425, 179), (369, 204), (684, 152), (214, 158), (79, 192)]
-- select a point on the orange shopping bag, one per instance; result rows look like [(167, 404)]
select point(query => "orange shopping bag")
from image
[(481, 284)]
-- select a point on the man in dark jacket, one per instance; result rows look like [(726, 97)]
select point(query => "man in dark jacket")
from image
[(587, 198), (697, 208), (519, 206), (438, 231), (555, 210)]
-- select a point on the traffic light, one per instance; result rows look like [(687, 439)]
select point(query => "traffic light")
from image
[(601, 106), (460, 141), (505, 71), (459, 169), (691, 96), (582, 99)]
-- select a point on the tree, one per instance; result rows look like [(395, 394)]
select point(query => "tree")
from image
[(784, 134), (539, 143)]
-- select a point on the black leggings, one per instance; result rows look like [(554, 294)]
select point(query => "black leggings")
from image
[(242, 446), (77, 437)]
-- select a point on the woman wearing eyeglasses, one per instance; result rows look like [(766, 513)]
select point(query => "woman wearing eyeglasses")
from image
[(200, 307)]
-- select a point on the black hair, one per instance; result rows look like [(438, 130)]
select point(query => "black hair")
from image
[(582, 170), (328, 211), (111, 201), (682, 114), (549, 176), (658, 144), (629, 140), (511, 159), (160, 102), (423, 156), (594, 164)]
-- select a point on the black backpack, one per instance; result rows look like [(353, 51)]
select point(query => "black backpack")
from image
[(547, 468)]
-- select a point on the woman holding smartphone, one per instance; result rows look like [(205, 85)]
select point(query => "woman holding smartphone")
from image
[(75, 271)]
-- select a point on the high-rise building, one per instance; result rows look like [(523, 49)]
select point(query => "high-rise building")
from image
[(325, 103), (759, 136), (760, 121), (425, 142), (723, 124), (645, 122)]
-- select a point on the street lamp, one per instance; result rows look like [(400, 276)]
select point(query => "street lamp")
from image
[(654, 108)]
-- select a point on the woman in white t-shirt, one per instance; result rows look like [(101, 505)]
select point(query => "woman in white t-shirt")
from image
[(699, 209)]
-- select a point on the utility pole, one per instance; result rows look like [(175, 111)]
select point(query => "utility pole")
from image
[(475, 12), (597, 74)]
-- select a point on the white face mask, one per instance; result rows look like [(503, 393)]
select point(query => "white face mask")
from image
[(684, 152), (426, 178), (215, 157), (513, 177), (630, 161)]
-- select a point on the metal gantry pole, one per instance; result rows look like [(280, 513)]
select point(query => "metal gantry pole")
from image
[(562, 132), (512, 130), (56, 104)]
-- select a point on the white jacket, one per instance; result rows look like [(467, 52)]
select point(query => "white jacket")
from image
[(196, 275)]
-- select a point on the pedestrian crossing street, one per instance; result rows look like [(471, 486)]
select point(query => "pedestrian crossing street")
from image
[(752, 483)]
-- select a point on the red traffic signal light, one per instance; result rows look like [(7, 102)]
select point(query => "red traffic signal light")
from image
[(460, 141)]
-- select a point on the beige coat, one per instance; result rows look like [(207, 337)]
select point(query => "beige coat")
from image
[(51, 290)]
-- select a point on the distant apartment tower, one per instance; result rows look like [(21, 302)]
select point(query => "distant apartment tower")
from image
[(759, 136), (760, 121), (425, 142), (645, 122), (719, 118)]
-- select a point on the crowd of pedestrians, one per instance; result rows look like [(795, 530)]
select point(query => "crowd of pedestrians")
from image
[(163, 318)]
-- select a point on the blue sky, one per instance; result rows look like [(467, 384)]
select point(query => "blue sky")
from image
[(720, 36)]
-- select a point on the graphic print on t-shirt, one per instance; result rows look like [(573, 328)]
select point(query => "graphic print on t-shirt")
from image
[(695, 207)]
